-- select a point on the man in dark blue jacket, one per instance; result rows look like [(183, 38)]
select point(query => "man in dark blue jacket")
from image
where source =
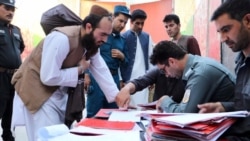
[(140, 46)]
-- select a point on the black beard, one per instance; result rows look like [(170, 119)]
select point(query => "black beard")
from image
[(243, 40), (88, 42)]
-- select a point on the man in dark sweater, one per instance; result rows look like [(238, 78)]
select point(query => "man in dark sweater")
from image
[(232, 23)]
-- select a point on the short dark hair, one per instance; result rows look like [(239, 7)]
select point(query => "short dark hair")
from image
[(171, 17), (236, 9), (164, 50), (94, 20), (138, 14)]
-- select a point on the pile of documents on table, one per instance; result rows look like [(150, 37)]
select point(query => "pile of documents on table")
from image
[(107, 125), (190, 126)]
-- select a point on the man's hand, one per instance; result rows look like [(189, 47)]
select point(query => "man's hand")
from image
[(158, 104), (211, 108), (151, 87), (83, 65), (122, 84), (115, 53), (86, 81), (123, 98)]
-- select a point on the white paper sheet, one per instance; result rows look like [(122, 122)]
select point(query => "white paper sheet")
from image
[(185, 119), (133, 116)]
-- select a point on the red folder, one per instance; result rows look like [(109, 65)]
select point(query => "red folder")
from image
[(105, 113), (105, 124), (155, 134), (151, 105), (200, 130)]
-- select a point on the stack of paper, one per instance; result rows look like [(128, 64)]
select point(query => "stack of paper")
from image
[(187, 119), (204, 127), (153, 114)]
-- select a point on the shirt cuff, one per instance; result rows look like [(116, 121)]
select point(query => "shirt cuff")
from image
[(165, 104)]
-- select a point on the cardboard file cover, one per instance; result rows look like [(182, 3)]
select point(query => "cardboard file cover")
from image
[(105, 124)]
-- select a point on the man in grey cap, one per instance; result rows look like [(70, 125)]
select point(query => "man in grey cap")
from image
[(115, 55), (11, 46)]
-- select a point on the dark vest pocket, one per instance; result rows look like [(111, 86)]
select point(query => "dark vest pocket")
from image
[(2, 39)]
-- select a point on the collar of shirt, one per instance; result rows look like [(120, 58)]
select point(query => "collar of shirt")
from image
[(2, 23), (241, 59), (188, 68), (115, 34), (135, 32)]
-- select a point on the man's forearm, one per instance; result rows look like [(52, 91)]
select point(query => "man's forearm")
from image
[(130, 87)]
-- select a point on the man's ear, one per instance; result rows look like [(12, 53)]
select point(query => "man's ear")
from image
[(246, 20), (88, 28), (171, 61)]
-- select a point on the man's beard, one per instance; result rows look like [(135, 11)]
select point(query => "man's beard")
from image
[(88, 42), (243, 40)]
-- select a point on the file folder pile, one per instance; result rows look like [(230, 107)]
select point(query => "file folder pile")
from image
[(203, 127)]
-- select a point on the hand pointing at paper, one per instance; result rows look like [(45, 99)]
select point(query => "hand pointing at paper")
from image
[(122, 100)]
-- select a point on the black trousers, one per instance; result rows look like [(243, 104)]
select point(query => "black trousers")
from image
[(6, 103)]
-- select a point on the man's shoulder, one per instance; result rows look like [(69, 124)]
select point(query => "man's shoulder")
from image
[(145, 33), (75, 27), (126, 33), (210, 64), (115, 38), (188, 37), (69, 30), (15, 29), (14, 26), (123, 39)]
